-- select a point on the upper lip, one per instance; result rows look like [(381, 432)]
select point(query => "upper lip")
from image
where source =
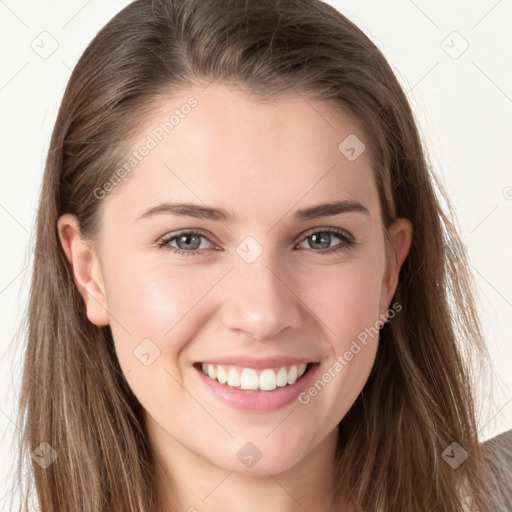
[(259, 362)]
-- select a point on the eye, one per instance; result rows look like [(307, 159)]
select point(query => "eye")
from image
[(188, 242), (322, 239)]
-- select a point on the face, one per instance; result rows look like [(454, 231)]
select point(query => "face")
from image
[(226, 321)]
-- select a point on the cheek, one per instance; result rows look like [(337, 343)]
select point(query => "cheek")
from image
[(353, 339), (347, 304), (149, 302), (346, 300), (155, 313)]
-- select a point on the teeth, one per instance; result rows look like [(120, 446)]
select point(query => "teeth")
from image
[(282, 377), (267, 380), (233, 377), (222, 376), (293, 374), (249, 379)]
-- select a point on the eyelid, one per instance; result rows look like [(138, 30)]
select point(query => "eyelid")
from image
[(189, 231), (322, 229)]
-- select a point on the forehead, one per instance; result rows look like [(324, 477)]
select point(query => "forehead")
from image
[(231, 151)]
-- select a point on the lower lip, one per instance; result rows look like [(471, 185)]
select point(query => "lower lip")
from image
[(255, 400)]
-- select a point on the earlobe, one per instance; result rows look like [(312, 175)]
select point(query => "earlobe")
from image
[(85, 268), (400, 235)]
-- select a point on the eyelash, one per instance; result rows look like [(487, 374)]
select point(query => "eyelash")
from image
[(347, 242)]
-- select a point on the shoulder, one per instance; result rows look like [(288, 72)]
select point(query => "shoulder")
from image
[(498, 452)]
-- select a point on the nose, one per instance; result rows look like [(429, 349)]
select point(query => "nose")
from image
[(260, 299)]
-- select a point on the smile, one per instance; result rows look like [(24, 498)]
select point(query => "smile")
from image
[(256, 385), (267, 379)]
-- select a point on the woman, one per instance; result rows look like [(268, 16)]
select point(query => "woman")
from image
[(191, 347)]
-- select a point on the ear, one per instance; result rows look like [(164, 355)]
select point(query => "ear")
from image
[(85, 267), (400, 235)]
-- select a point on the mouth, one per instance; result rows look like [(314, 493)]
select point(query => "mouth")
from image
[(256, 384), (254, 379)]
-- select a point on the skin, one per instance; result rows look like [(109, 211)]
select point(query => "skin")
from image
[(292, 300)]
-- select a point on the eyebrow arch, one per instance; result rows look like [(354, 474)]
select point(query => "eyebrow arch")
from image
[(221, 215), (330, 209)]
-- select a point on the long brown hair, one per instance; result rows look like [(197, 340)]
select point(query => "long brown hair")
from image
[(419, 398)]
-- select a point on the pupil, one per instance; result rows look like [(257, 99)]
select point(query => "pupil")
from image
[(325, 236), (184, 238)]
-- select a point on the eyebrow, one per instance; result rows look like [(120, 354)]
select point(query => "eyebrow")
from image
[(221, 215)]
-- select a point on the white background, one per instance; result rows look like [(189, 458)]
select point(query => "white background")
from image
[(463, 104)]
